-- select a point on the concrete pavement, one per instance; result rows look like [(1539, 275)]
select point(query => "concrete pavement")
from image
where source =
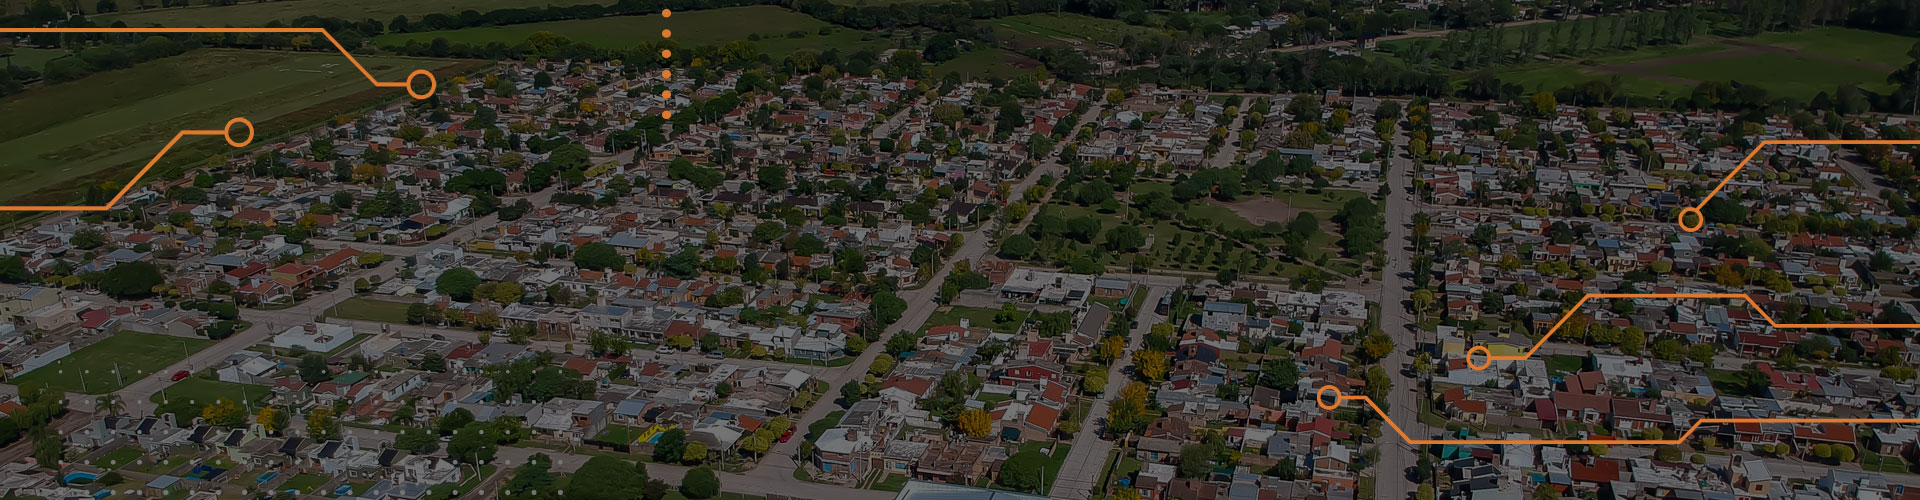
[(1390, 478), (1087, 460)]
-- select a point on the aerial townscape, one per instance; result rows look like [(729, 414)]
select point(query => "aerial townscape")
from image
[(942, 249)]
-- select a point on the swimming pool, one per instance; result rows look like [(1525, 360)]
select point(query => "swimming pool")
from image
[(78, 478)]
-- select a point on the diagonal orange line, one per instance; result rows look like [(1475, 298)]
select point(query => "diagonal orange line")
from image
[(407, 83), (1741, 296)]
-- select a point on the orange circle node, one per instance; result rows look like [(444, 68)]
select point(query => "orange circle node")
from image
[(665, 54), (1486, 356), (666, 33), (666, 114), (666, 73), (666, 12), (1321, 397), (432, 84), (666, 94), (1699, 219), (238, 143)]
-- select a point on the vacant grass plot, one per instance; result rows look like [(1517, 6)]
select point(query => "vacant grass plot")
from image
[(200, 391), (113, 363), (104, 127), (36, 58), (694, 28), (260, 13)]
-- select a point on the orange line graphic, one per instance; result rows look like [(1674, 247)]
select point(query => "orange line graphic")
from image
[(227, 132), (1338, 398), (1700, 220)]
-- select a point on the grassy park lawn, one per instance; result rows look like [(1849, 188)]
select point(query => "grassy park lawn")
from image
[(134, 355), (201, 391), (105, 126), (773, 25)]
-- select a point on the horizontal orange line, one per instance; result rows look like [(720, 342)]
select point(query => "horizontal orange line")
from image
[(1741, 296), (1633, 442)]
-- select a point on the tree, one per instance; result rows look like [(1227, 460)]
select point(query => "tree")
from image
[(455, 420), (975, 423), (1124, 238), (598, 256), (1280, 374), (672, 444), (1019, 246), (131, 280), (1023, 471), (473, 444), (224, 412), (853, 391), (607, 478), (700, 483), (457, 283), (1546, 492), (313, 368), (321, 424), (1150, 365), (417, 440), (696, 452), (1110, 348), (532, 480)]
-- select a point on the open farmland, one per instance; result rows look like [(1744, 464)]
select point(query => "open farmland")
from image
[(1798, 64), (261, 13), (1064, 29), (774, 26), (103, 127)]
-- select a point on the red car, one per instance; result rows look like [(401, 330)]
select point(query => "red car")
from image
[(787, 435), (181, 375)]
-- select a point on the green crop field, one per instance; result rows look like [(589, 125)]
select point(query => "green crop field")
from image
[(134, 355), (200, 391), (694, 28), (102, 128), (260, 13)]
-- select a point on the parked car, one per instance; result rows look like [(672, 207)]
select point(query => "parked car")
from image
[(181, 375), (716, 355)]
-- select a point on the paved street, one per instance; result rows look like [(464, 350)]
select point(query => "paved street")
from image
[(1086, 462), (1396, 456)]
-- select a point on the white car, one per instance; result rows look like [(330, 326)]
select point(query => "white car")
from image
[(664, 350)]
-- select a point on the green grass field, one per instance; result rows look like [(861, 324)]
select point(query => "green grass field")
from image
[(260, 13), (693, 28), (1819, 60), (29, 57), (1050, 29), (91, 370), (103, 127), (987, 63), (1871, 47), (201, 391)]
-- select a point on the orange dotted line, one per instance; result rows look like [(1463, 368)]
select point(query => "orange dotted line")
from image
[(666, 74)]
